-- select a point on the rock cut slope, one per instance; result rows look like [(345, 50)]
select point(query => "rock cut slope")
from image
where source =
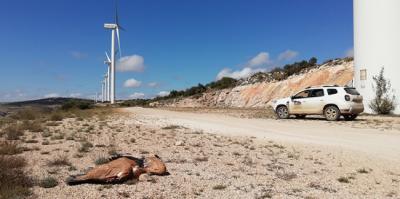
[(260, 94)]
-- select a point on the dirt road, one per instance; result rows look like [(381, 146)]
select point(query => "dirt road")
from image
[(376, 143)]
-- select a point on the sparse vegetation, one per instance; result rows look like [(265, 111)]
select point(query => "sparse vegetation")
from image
[(343, 180), (219, 187), (32, 141), (56, 116), (48, 182), (57, 137), (32, 126), (384, 101), (13, 132), (171, 127), (9, 148), (76, 104), (101, 160), (85, 147), (287, 176), (14, 182), (201, 159), (363, 170), (61, 160)]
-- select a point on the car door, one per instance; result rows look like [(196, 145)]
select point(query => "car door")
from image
[(296, 104), (314, 103)]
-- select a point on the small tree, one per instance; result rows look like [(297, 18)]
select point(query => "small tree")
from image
[(313, 61), (384, 101)]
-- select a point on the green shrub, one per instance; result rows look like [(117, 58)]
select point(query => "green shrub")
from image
[(79, 104), (48, 182), (225, 82), (384, 101)]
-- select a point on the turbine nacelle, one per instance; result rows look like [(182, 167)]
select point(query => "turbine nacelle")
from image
[(110, 26)]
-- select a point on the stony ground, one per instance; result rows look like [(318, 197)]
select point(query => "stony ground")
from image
[(364, 121), (201, 165)]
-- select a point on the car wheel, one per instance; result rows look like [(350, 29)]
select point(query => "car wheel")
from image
[(332, 113), (282, 112), (300, 116), (350, 117)]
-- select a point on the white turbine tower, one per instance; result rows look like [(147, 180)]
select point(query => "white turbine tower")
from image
[(108, 76), (114, 27), (102, 90)]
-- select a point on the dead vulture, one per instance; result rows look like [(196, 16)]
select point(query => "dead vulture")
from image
[(120, 169)]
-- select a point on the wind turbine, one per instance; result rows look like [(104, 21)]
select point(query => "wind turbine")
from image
[(108, 76), (114, 27), (102, 90)]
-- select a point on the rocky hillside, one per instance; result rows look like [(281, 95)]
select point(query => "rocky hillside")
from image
[(256, 94)]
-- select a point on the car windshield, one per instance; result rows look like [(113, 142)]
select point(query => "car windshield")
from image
[(351, 91), (302, 94)]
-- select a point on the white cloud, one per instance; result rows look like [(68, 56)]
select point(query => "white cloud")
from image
[(133, 63), (75, 95), (163, 93), (79, 55), (132, 83), (245, 72), (153, 84), (259, 60), (350, 52), (287, 55), (137, 96), (51, 95)]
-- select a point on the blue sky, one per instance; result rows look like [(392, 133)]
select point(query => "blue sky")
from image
[(56, 48)]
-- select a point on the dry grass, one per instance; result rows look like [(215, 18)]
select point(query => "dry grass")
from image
[(9, 148), (219, 187), (85, 147), (172, 127), (14, 182), (61, 160), (12, 132), (56, 116), (15, 130), (343, 180), (32, 126)]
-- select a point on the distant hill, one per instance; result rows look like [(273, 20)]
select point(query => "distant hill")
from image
[(46, 101), (260, 89)]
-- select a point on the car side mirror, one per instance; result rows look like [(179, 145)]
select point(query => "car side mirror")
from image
[(291, 97)]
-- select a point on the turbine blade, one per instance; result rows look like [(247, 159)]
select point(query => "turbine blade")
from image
[(122, 28), (119, 43), (108, 58), (116, 12)]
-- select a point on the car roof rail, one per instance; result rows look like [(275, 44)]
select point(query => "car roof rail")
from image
[(331, 85)]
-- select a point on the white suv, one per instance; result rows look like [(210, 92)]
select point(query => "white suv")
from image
[(330, 101)]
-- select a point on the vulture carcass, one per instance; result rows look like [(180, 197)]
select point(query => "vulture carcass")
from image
[(120, 169)]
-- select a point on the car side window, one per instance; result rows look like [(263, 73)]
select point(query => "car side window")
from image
[(332, 91), (302, 94), (316, 93)]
